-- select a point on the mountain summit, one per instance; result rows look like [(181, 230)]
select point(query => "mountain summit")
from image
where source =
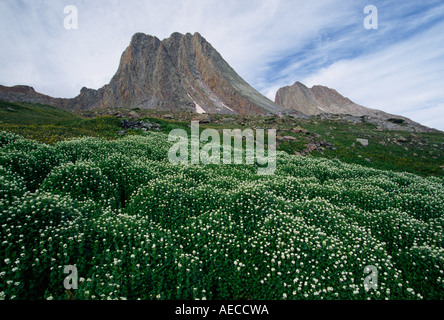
[(322, 100), (180, 73), (183, 73)]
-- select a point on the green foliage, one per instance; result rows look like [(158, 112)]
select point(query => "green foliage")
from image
[(82, 181), (422, 154), (50, 125), (12, 186), (31, 113), (137, 226)]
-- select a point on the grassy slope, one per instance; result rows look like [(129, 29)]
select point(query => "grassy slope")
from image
[(48, 124), (422, 154)]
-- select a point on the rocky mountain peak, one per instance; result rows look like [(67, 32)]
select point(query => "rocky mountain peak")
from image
[(300, 85), (317, 100), (327, 102), (185, 73), (180, 73), (18, 89)]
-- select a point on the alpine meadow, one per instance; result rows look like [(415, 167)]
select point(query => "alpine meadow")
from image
[(137, 226), (221, 158)]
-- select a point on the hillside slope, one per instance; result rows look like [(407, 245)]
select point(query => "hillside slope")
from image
[(321, 100)]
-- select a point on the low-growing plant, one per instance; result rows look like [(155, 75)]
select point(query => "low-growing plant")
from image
[(138, 227)]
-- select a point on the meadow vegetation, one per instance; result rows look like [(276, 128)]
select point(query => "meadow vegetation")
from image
[(137, 226)]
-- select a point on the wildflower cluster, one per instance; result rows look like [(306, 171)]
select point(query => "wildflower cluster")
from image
[(138, 227)]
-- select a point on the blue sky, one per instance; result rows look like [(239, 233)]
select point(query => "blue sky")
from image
[(397, 68)]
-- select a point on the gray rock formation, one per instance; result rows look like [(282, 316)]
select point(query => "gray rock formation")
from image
[(319, 100), (329, 104), (185, 73), (180, 73), (363, 142)]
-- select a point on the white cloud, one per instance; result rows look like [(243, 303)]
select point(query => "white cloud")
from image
[(406, 78), (38, 51), (431, 117)]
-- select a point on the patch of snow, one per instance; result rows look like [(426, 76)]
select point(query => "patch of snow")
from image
[(225, 106), (322, 109), (199, 109)]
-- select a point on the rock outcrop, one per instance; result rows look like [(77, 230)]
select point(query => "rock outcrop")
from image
[(185, 73), (328, 103), (180, 73), (25, 94), (321, 100)]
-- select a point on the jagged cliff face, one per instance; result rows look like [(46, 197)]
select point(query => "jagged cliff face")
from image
[(146, 78), (316, 100), (322, 100), (180, 73), (183, 72)]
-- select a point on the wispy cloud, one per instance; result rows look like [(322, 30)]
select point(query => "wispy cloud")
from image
[(270, 43), (39, 51), (405, 78)]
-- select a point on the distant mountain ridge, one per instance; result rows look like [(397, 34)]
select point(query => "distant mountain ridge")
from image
[(180, 73), (185, 73), (322, 100)]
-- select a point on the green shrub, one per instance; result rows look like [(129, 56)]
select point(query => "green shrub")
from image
[(12, 186), (82, 181), (137, 226)]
